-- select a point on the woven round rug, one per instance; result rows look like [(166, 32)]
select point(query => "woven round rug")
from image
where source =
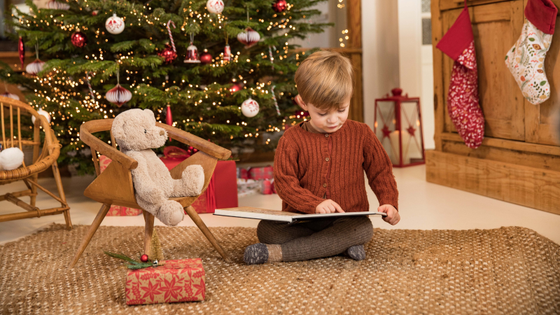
[(502, 271)]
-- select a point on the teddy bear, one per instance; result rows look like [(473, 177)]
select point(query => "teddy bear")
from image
[(136, 133)]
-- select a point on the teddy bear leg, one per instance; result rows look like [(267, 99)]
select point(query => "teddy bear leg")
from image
[(169, 212), (192, 181)]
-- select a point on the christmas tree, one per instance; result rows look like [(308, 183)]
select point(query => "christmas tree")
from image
[(199, 65)]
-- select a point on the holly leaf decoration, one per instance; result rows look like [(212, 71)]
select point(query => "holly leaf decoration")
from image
[(542, 83)]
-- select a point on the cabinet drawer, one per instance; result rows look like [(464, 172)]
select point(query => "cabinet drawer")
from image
[(454, 4)]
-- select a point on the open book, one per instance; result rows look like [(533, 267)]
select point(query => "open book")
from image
[(276, 215)]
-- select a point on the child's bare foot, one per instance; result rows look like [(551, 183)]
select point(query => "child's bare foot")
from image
[(356, 252)]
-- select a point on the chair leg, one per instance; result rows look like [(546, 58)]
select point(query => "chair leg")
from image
[(202, 226), (60, 189), (94, 226), (33, 197), (148, 232)]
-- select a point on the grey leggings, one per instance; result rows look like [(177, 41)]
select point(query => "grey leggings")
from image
[(315, 238)]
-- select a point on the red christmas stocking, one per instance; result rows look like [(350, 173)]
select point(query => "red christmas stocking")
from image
[(462, 98)]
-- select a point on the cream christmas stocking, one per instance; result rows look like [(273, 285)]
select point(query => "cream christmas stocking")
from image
[(525, 60), (462, 97)]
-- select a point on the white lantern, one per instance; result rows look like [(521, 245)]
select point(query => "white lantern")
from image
[(250, 108), (114, 24), (215, 6), (34, 67), (10, 95), (118, 95), (249, 37), (55, 5)]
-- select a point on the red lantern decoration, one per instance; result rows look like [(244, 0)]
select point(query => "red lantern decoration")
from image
[(168, 116), (168, 54), (398, 126), (280, 6), (205, 58), (21, 51), (118, 95), (79, 39)]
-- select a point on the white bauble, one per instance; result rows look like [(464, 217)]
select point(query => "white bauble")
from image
[(215, 6), (250, 108), (114, 24), (44, 113), (10, 159)]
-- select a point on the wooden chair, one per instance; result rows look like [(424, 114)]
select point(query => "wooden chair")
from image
[(114, 186), (42, 159)]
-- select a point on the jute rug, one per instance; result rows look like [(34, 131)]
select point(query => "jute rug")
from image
[(503, 271)]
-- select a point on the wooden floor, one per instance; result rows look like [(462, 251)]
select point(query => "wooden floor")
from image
[(423, 206)]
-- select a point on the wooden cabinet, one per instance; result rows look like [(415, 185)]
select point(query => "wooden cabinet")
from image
[(519, 159)]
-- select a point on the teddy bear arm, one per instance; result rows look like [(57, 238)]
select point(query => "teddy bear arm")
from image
[(143, 184), (191, 182)]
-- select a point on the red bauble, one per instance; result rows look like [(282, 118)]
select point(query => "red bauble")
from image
[(280, 6), (205, 58), (234, 88), (144, 258), (79, 39), (168, 54)]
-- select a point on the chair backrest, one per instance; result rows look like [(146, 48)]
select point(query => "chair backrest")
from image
[(17, 130)]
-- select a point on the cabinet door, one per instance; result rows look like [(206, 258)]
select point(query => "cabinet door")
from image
[(542, 120), (496, 28)]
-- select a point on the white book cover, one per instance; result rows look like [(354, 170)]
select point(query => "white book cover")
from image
[(277, 215)]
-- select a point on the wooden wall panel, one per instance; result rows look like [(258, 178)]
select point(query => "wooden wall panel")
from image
[(526, 186)]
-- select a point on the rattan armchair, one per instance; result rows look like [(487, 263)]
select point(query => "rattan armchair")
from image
[(16, 124), (115, 187)]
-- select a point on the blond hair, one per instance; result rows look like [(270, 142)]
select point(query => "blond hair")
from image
[(325, 79)]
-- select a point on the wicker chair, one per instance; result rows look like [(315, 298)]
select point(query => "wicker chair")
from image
[(44, 158), (115, 187)]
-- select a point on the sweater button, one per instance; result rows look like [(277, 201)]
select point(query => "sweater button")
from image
[(325, 185), (327, 159), (326, 136)]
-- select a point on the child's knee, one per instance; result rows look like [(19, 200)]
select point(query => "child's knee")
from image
[(267, 232), (364, 229)]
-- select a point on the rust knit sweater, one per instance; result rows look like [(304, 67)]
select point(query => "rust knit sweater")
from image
[(310, 167)]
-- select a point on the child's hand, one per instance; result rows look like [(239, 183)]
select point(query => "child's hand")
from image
[(328, 206), (392, 217)]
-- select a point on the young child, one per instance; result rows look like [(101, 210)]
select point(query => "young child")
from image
[(319, 168)]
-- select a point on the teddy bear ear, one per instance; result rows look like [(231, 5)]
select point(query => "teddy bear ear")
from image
[(150, 114), (118, 127)]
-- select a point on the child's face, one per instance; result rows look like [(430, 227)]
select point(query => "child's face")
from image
[(326, 121)]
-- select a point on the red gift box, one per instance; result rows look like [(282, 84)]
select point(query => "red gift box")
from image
[(258, 173), (223, 181), (116, 210), (176, 281)]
